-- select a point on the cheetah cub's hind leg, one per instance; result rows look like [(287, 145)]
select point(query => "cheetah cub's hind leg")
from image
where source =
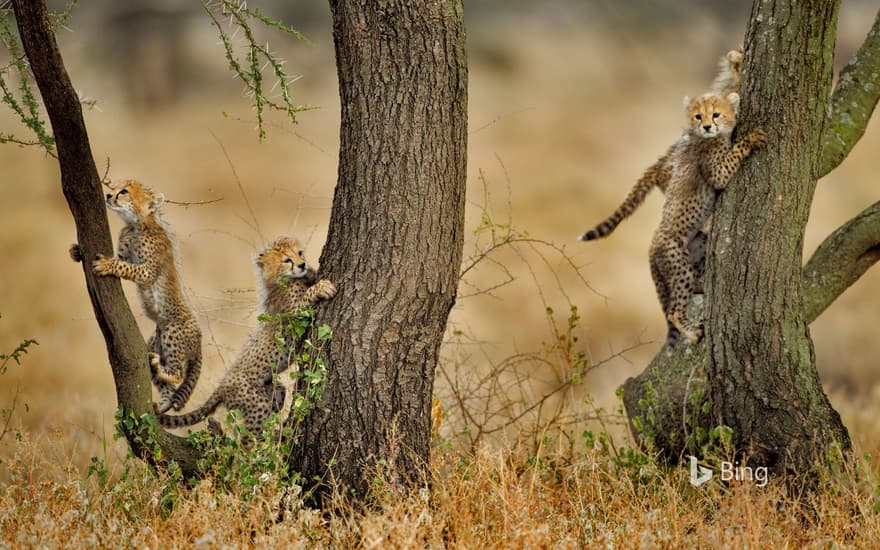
[(674, 274), (165, 383)]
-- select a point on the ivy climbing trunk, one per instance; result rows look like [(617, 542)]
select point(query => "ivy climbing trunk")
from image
[(395, 239), (761, 365)]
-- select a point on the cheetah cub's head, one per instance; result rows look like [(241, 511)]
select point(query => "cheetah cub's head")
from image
[(133, 201), (280, 262), (711, 115)]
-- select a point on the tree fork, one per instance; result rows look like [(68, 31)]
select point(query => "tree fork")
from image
[(81, 185)]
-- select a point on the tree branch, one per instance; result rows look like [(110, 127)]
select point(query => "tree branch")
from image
[(852, 102), (840, 260), (82, 189)]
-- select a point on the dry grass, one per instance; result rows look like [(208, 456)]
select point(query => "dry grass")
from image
[(494, 499), (562, 122)]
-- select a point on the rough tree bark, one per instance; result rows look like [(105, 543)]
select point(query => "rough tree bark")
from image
[(81, 184), (756, 366), (395, 239), (761, 366), (394, 246)]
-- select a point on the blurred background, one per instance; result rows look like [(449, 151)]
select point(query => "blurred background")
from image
[(569, 102)]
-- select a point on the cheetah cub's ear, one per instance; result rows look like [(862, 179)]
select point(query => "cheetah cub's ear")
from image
[(686, 102), (258, 260), (733, 98)]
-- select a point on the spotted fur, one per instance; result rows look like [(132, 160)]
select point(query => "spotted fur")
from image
[(286, 283), (704, 160), (147, 254), (658, 174)]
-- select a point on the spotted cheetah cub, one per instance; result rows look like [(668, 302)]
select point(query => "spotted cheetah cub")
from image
[(285, 284), (147, 254), (703, 161), (658, 174)]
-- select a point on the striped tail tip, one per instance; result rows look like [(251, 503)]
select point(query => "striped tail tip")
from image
[(590, 235)]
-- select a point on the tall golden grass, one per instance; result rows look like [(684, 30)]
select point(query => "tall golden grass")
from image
[(562, 123)]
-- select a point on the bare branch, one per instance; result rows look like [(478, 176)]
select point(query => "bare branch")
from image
[(852, 102), (196, 203), (840, 260)]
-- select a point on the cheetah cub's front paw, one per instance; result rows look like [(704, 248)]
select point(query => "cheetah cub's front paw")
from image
[(103, 266), (735, 56), (75, 253), (757, 138), (325, 289)]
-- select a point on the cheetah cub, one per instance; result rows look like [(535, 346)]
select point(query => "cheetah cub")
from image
[(703, 161), (285, 284), (147, 254), (658, 174)]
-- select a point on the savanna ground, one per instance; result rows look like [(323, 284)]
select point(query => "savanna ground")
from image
[(563, 120)]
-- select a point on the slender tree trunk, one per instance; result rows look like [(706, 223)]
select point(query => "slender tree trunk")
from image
[(395, 239), (761, 365), (82, 189)]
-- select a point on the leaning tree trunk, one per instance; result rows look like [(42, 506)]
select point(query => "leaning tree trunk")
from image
[(756, 367), (395, 239), (81, 184)]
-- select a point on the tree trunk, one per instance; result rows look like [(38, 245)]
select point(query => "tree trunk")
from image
[(81, 184), (761, 366), (395, 238), (756, 367)]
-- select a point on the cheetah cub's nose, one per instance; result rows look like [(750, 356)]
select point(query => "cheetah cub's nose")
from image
[(707, 127), (109, 196), (302, 265)]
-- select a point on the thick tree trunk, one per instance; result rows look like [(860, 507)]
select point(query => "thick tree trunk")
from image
[(761, 366), (82, 189), (395, 238), (759, 372)]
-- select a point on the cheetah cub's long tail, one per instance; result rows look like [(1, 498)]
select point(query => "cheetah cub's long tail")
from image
[(190, 418), (655, 176)]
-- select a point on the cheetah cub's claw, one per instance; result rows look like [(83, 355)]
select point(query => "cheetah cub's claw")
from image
[(102, 265), (325, 289), (757, 138), (159, 372), (693, 332), (75, 253)]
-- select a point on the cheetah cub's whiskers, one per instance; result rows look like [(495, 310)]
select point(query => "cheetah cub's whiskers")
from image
[(147, 254), (284, 284), (703, 162)]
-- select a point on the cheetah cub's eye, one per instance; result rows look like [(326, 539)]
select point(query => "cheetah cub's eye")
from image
[(698, 116), (123, 191), (716, 115), (301, 253), (288, 261)]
